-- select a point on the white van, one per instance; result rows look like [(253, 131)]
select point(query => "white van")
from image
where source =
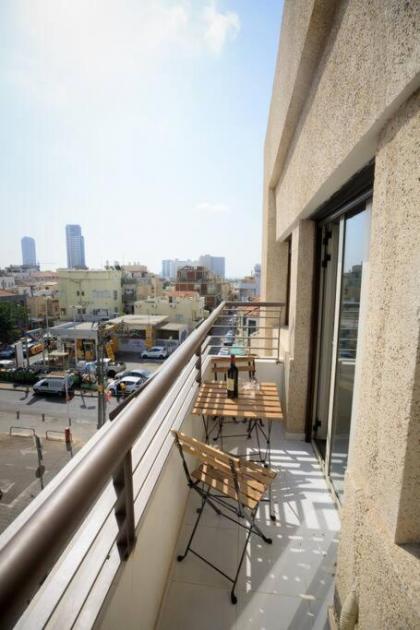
[(54, 386), (7, 364)]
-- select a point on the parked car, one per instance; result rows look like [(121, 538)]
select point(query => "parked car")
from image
[(238, 351), (7, 364), (52, 386), (131, 384), (111, 368), (157, 352), (114, 367), (228, 338), (144, 374), (7, 352)]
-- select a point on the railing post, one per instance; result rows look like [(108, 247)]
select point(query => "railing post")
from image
[(198, 365), (278, 336), (124, 507)]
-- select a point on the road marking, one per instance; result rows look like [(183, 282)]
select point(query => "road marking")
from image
[(6, 485), (27, 451)]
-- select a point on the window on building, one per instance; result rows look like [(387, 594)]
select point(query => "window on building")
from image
[(115, 295)]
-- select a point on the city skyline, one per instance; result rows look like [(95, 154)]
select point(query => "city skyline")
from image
[(154, 146)]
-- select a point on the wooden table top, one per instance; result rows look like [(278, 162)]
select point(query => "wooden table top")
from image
[(212, 400)]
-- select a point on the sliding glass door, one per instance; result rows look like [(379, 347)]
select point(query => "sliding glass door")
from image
[(344, 249)]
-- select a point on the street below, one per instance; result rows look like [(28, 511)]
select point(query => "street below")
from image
[(24, 469)]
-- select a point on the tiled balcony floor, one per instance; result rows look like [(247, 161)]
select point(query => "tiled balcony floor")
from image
[(288, 584)]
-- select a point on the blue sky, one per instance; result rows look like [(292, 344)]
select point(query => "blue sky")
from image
[(142, 120)]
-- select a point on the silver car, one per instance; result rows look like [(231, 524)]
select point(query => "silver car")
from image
[(157, 352), (131, 384)]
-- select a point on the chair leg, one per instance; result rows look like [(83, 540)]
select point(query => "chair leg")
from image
[(220, 429), (182, 556), (256, 529), (233, 597)]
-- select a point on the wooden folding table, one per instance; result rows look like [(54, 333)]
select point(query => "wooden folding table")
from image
[(255, 406)]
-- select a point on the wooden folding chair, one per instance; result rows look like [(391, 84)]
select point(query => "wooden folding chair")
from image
[(220, 366), (224, 481)]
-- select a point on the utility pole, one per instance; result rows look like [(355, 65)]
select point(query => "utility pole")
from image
[(100, 341), (41, 468), (47, 342)]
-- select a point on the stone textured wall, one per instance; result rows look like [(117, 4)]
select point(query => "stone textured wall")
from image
[(382, 500), (369, 66), (274, 258), (346, 91)]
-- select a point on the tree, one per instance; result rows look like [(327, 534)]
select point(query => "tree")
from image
[(13, 319)]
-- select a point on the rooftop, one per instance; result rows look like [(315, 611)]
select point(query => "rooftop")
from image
[(173, 326), (182, 294), (131, 321), (4, 293)]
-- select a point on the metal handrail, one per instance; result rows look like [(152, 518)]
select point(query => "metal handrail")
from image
[(31, 553), (28, 557)]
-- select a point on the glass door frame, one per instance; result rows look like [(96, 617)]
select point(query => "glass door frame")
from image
[(346, 212)]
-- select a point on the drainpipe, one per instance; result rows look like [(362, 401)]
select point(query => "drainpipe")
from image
[(349, 611)]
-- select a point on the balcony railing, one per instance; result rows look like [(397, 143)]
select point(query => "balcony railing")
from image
[(107, 485)]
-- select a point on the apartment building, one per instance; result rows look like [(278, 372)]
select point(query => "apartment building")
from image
[(203, 281), (137, 283), (340, 251), (89, 294), (341, 248), (216, 264), (43, 308), (178, 307)]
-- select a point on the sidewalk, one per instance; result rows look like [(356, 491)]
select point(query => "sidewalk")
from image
[(19, 387)]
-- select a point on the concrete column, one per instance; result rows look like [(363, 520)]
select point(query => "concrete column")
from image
[(300, 315), (274, 256)]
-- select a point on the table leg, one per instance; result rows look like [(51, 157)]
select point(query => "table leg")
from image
[(206, 429), (268, 453)]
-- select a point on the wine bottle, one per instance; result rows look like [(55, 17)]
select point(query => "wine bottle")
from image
[(232, 379)]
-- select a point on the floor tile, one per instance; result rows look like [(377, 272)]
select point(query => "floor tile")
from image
[(217, 545), (279, 568), (260, 611), (196, 607)]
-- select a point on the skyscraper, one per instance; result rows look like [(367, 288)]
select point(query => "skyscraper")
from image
[(216, 264), (75, 247), (28, 251)]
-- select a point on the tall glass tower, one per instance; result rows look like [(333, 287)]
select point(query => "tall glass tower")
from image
[(28, 251), (75, 247)]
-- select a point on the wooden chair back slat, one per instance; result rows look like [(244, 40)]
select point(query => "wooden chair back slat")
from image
[(244, 364), (207, 454)]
